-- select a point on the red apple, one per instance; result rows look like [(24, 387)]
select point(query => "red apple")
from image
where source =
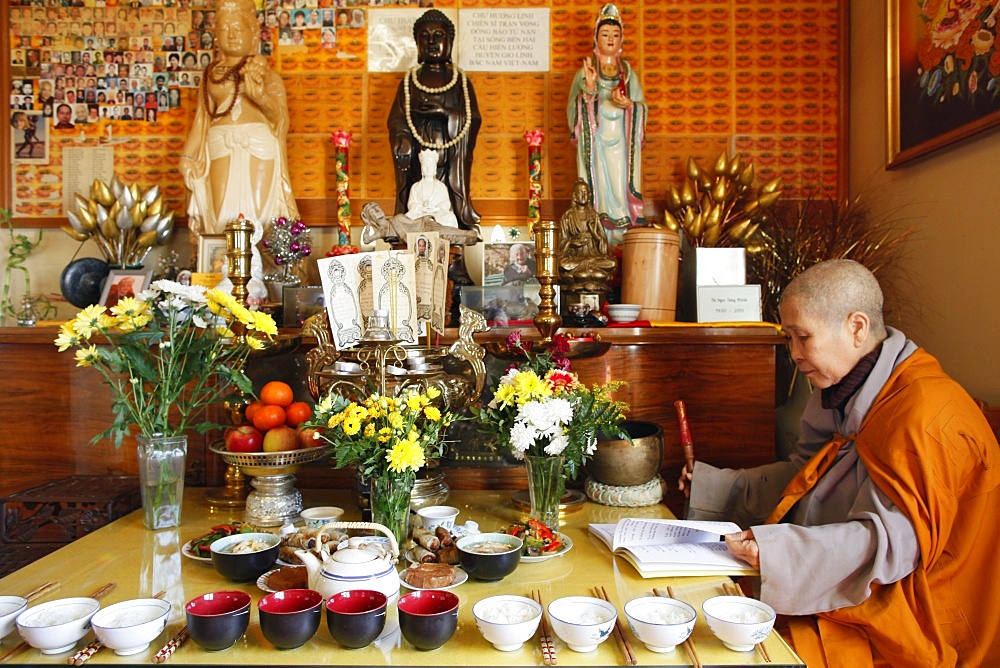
[(244, 438), (307, 439), (280, 438)]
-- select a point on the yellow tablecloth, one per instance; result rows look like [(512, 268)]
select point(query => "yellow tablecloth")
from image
[(143, 562)]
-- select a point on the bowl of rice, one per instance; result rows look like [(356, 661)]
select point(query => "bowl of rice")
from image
[(739, 622), (582, 622), (507, 621), (660, 623)]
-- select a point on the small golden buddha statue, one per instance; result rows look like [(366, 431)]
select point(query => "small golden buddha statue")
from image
[(584, 263)]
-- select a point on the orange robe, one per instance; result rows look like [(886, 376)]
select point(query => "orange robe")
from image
[(942, 469)]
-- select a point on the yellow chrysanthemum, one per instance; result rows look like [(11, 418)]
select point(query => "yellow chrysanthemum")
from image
[(369, 430), (88, 321), (505, 395), (395, 420), (433, 392), (432, 413), (384, 434), (67, 337), (255, 344), (529, 387), (405, 455), (335, 420), (413, 402), (352, 426), (87, 356), (263, 323)]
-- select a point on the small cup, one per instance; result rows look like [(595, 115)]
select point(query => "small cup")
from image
[(317, 517), (217, 620), (428, 618), (291, 617), (356, 617), (432, 517)]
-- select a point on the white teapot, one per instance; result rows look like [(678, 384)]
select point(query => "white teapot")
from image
[(361, 564)]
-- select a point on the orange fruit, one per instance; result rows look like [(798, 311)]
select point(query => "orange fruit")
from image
[(277, 393), (297, 413), (268, 417), (252, 409)]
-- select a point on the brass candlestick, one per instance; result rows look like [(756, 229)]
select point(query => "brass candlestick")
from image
[(238, 253), (548, 320)]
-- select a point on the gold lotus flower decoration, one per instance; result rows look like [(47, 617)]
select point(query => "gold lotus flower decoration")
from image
[(720, 208), (124, 221)]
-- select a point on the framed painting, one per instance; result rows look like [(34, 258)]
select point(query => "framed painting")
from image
[(509, 263), (211, 253), (944, 75), (124, 283)]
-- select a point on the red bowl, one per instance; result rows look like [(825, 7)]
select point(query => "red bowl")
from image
[(217, 620), (356, 617), (428, 618), (291, 617)]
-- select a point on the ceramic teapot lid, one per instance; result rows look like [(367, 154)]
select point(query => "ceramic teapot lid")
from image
[(358, 551)]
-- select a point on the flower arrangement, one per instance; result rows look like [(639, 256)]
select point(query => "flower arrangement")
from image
[(172, 350), (380, 435), (540, 408)]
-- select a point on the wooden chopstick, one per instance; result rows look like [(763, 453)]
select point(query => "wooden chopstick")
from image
[(733, 589), (41, 590), (623, 643), (92, 648), (688, 643), (99, 594), (544, 637)]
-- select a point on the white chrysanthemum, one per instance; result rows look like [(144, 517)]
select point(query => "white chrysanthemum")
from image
[(537, 414), (522, 436), (591, 446), (192, 293), (557, 444), (508, 377), (561, 410)]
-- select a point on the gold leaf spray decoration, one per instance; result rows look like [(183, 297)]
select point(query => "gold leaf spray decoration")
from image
[(124, 221), (720, 208)]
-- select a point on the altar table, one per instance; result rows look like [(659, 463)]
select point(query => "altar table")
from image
[(143, 562)]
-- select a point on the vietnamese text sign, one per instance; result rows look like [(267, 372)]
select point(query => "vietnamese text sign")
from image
[(504, 40)]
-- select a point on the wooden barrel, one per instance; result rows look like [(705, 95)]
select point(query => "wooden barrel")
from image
[(649, 272)]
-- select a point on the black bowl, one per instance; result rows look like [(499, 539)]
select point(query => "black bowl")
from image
[(291, 617), (356, 617), (428, 618), (493, 566), (216, 621), (245, 566)]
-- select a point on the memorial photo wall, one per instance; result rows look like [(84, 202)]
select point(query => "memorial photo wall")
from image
[(749, 76)]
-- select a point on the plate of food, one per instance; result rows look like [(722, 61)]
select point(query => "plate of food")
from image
[(432, 576), (436, 547), (540, 542), (565, 545), (286, 577), (188, 550), (200, 549)]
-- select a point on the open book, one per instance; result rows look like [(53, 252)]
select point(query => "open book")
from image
[(664, 548)]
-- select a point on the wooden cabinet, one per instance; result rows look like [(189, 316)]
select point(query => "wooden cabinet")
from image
[(726, 375)]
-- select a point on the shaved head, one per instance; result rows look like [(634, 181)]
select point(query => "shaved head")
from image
[(834, 289)]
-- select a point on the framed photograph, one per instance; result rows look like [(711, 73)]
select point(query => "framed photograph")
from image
[(29, 135), (301, 302), (942, 76), (124, 283), (211, 253), (509, 264)]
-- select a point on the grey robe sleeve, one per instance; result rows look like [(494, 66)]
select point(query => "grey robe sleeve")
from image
[(805, 570), (744, 496)]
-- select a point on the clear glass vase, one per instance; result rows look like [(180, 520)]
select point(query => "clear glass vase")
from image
[(390, 502), (161, 479), (546, 486)]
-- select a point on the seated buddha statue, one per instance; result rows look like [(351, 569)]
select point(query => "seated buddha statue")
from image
[(584, 263)]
